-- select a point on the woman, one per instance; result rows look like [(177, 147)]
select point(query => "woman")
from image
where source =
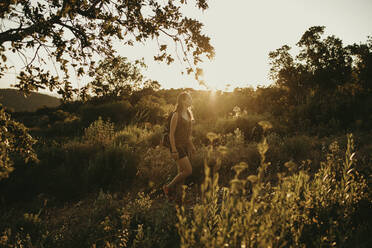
[(181, 146)]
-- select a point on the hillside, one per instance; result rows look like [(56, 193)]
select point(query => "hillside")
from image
[(13, 99)]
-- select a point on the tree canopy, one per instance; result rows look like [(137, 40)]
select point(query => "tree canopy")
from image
[(73, 34), (326, 79), (323, 66), (116, 76), (70, 33)]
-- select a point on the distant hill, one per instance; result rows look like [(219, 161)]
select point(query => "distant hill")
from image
[(13, 99)]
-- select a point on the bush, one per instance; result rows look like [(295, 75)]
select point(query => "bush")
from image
[(149, 109), (139, 138), (86, 167), (69, 127), (72, 169), (67, 179), (99, 132), (297, 148), (155, 168), (299, 212), (112, 169), (117, 112), (222, 153), (15, 144), (105, 220), (243, 121)]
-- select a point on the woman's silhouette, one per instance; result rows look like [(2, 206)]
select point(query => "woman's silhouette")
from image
[(181, 146)]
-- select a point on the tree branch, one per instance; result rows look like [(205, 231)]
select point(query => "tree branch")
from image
[(77, 32), (18, 34)]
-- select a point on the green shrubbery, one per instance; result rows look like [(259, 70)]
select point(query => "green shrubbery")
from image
[(114, 168), (285, 202), (111, 176), (139, 138), (99, 133), (118, 112), (15, 144), (241, 120), (106, 220), (98, 179), (300, 211), (71, 169), (155, 168)]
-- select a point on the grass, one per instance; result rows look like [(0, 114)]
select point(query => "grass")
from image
[(241, 194), (300, 211)]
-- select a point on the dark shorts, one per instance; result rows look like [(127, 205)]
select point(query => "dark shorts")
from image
[(182, 152)]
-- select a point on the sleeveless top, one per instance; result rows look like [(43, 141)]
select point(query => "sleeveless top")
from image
[(183, 131)]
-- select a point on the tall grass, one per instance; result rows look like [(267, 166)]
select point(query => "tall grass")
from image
[(117, 178), (300, 211)]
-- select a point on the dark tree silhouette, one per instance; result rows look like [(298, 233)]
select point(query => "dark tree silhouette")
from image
[(326, 81), (71, 32), (116, 77)]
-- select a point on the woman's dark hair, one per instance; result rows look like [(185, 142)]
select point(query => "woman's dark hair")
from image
[(179, 106)]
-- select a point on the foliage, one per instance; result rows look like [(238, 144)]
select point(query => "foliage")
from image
[(99, 132), (116, 77), (68, 127), (149, 109), (325, 83), (104, 183), (105, 220), (72, 33), (155, 168), (114, 168), (120, 112), (15, 144), (139, 138), (252, 212), (74, 168), (297, 147)]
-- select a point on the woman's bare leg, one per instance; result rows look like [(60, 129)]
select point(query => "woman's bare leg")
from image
[(184, 170)]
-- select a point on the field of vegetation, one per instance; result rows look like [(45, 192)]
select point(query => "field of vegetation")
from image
[(287, 165)]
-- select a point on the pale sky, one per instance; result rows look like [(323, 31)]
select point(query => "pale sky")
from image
[(243, 32)]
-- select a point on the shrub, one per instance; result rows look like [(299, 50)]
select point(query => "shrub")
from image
[(299, 212), (99, 132), (86, 167), (112, 221), (230, 150), (72, 169), (225, 125), (243, 121), (155, 226), (155, 168), (15, 144), (118, 112), (114, 168), (69, 127), (139, 138), (155, 137), (67, 179), (149, 109), (199, 132), (297, 148)]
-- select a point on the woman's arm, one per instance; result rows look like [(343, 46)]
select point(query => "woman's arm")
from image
[(172, 130)]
